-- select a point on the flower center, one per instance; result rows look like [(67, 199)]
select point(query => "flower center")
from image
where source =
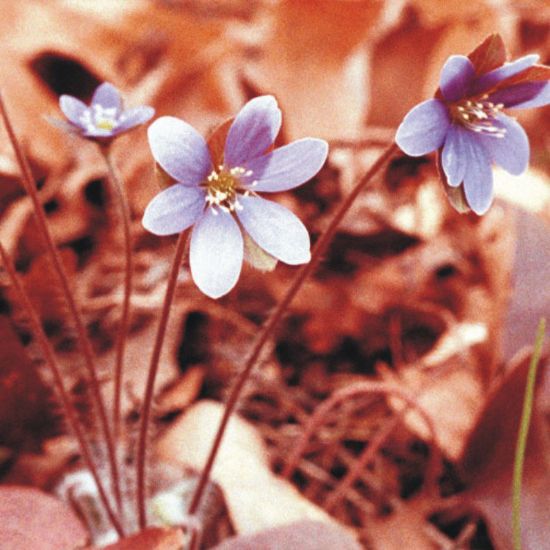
[(478, 116), (99, 118), (223, 187)]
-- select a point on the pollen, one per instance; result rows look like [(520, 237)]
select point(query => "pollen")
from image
[(478, 116), (223, 187)]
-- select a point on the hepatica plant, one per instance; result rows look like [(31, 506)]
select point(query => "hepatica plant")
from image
[(466, 121), (105, 118), (221, 201)]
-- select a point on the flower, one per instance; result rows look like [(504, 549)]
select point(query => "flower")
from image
[(466, 123), (105, 118), (221, 202)]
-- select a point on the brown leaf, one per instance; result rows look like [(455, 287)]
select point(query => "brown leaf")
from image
[(315, 70), (488, 463), (33, 520), (305, 535), (153, 538), (256, 499), (26, 403)]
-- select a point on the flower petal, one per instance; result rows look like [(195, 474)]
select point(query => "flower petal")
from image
[(276, 229), (174, 209), (478, 177), (512, 150), (107, 96), (216, 253), (492, 78), (134, 117), (456, 76), (254, 130), (454, 156), (520, 96), (72, 108), (288, 166), (179, 149), (424, 128), (539, 99)]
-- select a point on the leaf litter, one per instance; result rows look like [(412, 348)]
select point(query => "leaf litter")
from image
[(409, 295)]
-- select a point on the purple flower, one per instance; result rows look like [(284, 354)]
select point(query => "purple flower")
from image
[(105, 118), (466, 123), (222, 201)]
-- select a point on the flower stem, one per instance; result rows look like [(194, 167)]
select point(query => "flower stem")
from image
[(66, 402), (523, 434), (85, 345), (122, 334), (181, 247), (295, 286)]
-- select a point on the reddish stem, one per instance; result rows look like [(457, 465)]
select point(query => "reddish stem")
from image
[(66, 402), (276, 316), (124, 211), (181, 247), (85, 345)]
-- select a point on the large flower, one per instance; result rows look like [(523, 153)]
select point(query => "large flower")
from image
[(105, 118), (466, 122), (221, 201)]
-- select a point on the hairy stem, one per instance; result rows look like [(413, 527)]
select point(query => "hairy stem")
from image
[(181, 247), (84, 342), (66, 402), (277, 315), (521, 445), (124, 211)]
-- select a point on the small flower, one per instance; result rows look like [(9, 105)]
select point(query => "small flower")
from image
[(105, 118), (466, 123), (221, 201)]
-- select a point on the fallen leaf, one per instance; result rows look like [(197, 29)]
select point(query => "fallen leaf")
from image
[(305, 535), (256, 499), (153, 538), (33, 520), (488, 457)]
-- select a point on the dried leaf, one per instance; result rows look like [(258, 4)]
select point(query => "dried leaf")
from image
[(305, 535), (153, 538), (488, 462), (318, 72), (255, 498), (34, 520)]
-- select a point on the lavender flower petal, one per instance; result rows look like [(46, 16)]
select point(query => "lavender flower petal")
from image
[(490, 79), (174, 209), (453, 156), (134, 117), (180, 150), (540, 99), (456, 76), (254, 130), (478, 177), (519, 95), (288, 166), (424, 128), (275, 229), (107, 96), (72, 108), (216, 254), (511, 151)]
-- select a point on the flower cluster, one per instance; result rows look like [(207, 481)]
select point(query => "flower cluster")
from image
[(466, 122), (105, 118), (221, 201)]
